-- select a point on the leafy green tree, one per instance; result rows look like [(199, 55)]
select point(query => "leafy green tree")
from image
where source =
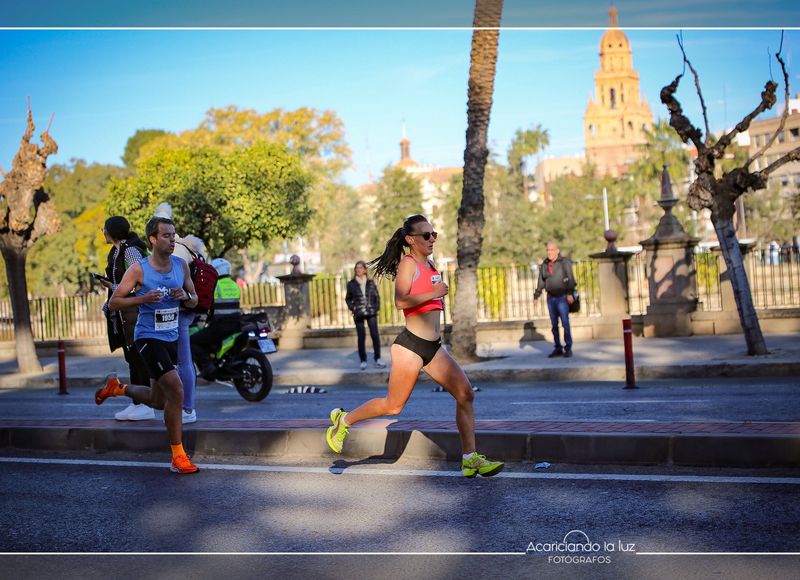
[(61, 262), (510, 218), (316, 137), (574, 219), (134, 145), (253, 193), (399, 195), (526, 143)]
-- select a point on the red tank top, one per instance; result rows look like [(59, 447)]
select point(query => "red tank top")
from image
[(423, 281)]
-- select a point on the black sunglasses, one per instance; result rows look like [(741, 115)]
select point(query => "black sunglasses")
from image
[(427, 235)]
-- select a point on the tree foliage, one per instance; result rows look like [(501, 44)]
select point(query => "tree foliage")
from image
[(135, 143), (574, 219), (316, 137), (399, 195), (228, 199), (526, 143)]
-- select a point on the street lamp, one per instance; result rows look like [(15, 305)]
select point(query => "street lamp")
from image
[(605, 208)]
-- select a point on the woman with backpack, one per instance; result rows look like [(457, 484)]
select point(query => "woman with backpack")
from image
[(364, 302), (127, 249)]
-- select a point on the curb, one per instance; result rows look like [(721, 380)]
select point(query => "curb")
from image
[(541, 374), (679, 449)]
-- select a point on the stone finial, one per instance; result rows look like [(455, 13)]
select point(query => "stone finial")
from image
[(610, 237), (295, 262), (666, 185)]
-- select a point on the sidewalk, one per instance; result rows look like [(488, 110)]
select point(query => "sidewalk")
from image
[(771, 442), (654, 358)]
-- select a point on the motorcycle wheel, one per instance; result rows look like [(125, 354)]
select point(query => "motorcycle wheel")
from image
[(255, 375)]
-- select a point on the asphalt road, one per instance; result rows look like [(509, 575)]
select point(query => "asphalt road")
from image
[(390, 520), (773, 399)]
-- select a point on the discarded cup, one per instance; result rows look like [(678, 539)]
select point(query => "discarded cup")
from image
[(542, 465)]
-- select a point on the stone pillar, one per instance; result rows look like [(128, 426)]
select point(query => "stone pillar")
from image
[(297, 318), (672, 278), (612, 266)]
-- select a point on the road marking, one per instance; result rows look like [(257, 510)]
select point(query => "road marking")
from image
[(365, 470), (631, 401)]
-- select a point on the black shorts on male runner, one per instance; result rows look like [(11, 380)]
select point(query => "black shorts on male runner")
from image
[(160, 356)]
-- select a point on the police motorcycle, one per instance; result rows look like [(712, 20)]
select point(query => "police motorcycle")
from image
[(241, 358)]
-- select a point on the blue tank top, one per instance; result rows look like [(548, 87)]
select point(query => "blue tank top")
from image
[(159, 319)]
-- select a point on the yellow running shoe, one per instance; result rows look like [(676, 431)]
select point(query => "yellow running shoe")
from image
[(338, 431), (479, 465)]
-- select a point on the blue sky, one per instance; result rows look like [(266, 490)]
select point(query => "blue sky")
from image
[(103, 85)]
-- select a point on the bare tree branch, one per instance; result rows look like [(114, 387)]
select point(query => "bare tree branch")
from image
[(677, 120), (697, 86), (785, 114), (793, 155)]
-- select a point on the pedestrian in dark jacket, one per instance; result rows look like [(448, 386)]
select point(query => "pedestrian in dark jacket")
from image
[(555, 276), (127, 249), (364, 302)]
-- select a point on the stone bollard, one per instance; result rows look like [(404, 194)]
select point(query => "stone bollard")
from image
[(297, 319), (612, 270)]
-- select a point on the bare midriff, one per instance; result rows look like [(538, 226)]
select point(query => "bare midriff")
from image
[(425, 325)]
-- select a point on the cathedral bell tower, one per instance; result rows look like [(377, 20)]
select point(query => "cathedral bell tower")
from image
[(616, 116)]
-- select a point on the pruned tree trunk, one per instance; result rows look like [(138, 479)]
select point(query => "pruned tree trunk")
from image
[(483, 60), (26, 214), (720, 193), (27, 360), (732, 254)]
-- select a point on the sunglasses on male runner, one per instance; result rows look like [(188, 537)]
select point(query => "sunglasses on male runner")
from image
[(427, 235)]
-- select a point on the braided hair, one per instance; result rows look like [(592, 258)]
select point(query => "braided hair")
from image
[(386, 264)]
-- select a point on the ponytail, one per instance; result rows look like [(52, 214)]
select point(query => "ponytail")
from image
[(386, 264)]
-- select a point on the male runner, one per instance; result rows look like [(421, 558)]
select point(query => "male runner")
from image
[(161, 283)]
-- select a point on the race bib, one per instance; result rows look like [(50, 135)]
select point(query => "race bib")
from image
[(166, 319), (435, 279)]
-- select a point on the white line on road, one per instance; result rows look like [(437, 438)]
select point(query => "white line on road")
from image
[(631, 401), (365, 470)]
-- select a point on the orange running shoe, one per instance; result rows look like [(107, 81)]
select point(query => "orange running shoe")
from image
[(112, 388), (181, 464)]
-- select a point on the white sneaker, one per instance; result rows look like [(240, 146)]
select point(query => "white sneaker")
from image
[(123, 415), (380, 364), (141, 413), (188, 417), (363, 366)]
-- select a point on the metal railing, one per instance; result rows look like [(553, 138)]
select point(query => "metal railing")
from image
[(774, 285), (78, 317), (504, 293)]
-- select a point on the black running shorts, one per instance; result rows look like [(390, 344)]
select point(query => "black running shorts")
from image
[(159, 355), (426, 349)]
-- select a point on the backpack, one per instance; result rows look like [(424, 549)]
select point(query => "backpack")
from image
[(204, 277)]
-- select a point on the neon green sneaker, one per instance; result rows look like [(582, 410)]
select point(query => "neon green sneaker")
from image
[(338, 431), (479, 465)]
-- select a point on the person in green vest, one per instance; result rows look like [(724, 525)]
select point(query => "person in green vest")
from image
[(224, 319)]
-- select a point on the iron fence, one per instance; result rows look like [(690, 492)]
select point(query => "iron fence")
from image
[(504, 293)]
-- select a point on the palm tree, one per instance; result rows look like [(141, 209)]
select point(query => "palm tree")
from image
[(483, 59)]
